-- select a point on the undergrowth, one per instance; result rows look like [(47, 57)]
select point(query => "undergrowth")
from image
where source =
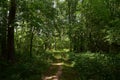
[(25, 68), (96, 66)]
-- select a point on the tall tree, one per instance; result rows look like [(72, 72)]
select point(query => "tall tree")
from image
[(10, 37), (72, 5), (3, 28)]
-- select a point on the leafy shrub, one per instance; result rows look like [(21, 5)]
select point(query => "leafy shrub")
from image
[(95, 66), (28, 70)]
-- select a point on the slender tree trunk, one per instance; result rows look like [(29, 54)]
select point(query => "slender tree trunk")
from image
[(10, 37), (72, 4), (69, 18), (31, 41), (55, 46)]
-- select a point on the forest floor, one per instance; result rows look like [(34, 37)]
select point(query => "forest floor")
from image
[(54, 72), (60, 70)]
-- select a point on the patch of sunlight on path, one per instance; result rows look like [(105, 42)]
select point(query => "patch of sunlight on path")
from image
[(57, 74), (58, 64)]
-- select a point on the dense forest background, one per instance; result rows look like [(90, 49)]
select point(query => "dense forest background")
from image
[(85, 33)]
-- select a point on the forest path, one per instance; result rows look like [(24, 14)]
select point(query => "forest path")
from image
[(60, 69), (54, 72)]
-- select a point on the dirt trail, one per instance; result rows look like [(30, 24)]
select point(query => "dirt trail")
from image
[(51, 75)]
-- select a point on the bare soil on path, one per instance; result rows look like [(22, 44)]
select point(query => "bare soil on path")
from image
[(54, 72)]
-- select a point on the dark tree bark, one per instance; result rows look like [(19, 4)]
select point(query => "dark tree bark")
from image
[(4, 42), (10, 37), (31, 40), (70, 23), (3, 32)]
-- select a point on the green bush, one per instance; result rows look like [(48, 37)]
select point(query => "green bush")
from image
[(95, 66), (28, 70)]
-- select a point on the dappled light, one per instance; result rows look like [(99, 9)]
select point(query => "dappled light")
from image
[(59, 39), (57, 74)]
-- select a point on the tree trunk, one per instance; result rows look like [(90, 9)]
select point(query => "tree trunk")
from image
[(10, 37), (70, 29), (3, 31), (31, 41), (4, 36), (4, 44)]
